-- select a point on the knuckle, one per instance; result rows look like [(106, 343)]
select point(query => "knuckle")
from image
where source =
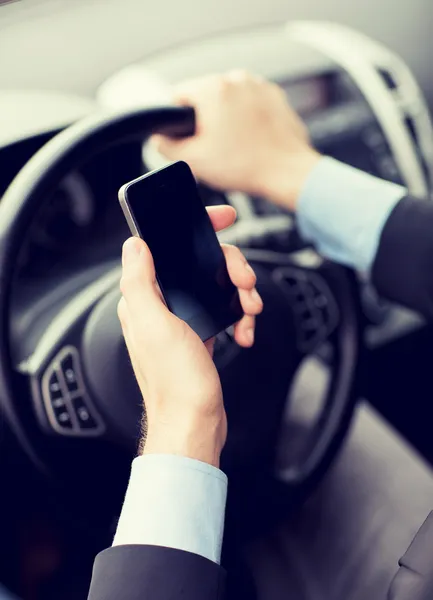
[(240, 75), (126, 284), (222, 85), (251, 271), (277, 89), (259, 307)]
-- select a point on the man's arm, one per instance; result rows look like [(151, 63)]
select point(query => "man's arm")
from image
[(373, 226), (169, 535), (249, 139), (168, 539), (342, 212)]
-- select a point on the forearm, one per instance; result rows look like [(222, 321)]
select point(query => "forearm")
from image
[(372, 226), (342, 212)]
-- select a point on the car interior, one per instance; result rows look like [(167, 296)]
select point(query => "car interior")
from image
[(83, 85)]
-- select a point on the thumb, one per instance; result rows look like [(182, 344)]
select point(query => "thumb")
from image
[(138, 283)]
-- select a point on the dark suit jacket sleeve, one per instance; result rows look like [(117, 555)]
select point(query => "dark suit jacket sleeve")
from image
[(154, 573), (403, 272), (403, 267)]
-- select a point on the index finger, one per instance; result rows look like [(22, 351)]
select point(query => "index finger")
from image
[(221, 216)]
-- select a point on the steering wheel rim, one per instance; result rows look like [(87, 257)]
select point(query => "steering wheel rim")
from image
[(38, 178)]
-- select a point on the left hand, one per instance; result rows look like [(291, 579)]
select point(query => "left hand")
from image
[(248, 138)]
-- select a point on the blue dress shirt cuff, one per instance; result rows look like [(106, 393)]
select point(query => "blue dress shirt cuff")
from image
[(176, 502), (342, 212)]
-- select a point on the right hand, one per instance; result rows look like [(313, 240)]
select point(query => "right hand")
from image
[(174, 369), (247, 138), (184, 406)]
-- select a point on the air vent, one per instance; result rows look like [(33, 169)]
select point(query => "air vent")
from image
[(411, 126), (388, 79)]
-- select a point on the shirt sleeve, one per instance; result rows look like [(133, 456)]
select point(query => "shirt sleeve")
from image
[(176, 502), (342, 211)]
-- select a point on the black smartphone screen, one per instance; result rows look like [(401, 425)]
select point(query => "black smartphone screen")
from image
[(190, 265)]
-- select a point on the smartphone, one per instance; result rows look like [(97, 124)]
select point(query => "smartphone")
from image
[(164, 208)]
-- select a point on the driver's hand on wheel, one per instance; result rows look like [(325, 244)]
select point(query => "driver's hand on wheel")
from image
[(247, 138), (174, 369)]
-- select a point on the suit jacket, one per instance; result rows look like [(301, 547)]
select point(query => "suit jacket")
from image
[(403, 272), (403, 267)]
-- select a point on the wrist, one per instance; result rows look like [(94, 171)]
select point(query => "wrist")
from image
[(201, 440), (285, 177)]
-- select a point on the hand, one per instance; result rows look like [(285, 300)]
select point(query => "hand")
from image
[(247, 137), (174, 369)]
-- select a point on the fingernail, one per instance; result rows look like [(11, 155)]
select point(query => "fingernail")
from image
[(255, 296), (249, 268), (131, 250), (249, 334)]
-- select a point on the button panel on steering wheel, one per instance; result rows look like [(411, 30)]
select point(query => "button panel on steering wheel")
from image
[(68, 407)]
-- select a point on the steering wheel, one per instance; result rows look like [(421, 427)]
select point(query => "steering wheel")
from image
[(75, 385)]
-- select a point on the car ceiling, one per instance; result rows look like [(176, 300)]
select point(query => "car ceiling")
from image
[(74, 45)]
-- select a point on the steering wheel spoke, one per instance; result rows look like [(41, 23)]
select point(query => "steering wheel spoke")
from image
[(61, 392)]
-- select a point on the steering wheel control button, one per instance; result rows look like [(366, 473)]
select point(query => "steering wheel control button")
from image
[(55, 400), (54, 387), (58, 403), (67, 405), (64, 418), (70, 369), (82, 412)]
